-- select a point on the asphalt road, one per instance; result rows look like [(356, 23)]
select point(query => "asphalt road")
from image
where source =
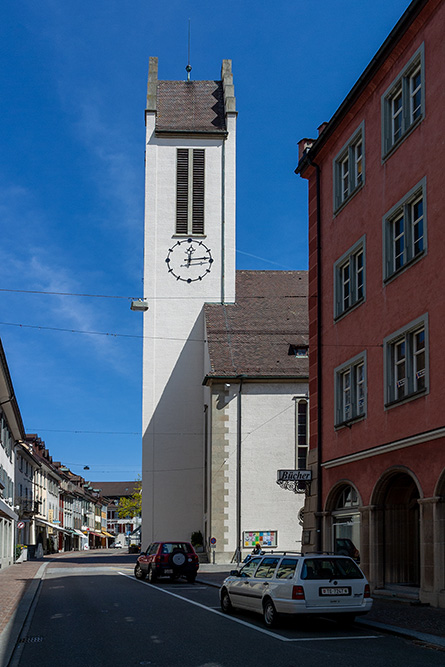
[(92, 612)]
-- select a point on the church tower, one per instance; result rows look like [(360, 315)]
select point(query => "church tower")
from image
[(189, 260)]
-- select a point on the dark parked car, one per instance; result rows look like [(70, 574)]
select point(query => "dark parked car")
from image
[(171, 559)]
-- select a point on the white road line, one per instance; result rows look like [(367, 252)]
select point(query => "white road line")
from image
[(241, 622)]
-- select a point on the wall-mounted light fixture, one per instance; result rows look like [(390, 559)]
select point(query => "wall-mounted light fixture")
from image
[(139, 305)]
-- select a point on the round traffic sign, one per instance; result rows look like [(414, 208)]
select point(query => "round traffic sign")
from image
[(21, 524), (213, 540)]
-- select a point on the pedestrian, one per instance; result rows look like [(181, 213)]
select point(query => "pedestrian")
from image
[(257, 551)]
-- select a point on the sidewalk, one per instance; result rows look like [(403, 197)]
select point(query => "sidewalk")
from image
[(19, 584), (418, 622)]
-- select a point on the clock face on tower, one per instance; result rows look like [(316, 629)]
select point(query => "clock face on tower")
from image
[(189, 260)]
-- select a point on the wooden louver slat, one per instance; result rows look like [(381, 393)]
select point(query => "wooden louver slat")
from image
[(182, 191), (198, 192)]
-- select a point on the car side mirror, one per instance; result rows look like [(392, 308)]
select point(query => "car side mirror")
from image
[(234, 573)]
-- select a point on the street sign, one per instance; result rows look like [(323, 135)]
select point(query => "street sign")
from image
[(213, 540), (294, 475), (20, 525)]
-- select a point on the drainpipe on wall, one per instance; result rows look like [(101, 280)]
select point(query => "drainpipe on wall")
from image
[(319, 523), (238, 472)]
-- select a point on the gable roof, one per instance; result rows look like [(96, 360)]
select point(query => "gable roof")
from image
[(115, 489), (190, 107), (252, 336)]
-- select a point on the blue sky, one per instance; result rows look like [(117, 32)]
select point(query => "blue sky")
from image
[(73, 90)]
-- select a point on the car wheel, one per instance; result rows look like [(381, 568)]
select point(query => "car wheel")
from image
[(138, 572), (269, 613), (226, 604), (152, 576), (191, 578)]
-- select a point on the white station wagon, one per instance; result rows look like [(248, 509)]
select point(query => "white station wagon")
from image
[(286, 583)]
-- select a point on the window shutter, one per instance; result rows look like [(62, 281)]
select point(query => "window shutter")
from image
[(182, 190), (198, 192)]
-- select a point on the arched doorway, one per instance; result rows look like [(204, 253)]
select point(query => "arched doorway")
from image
[(400, 546), (344, 505)]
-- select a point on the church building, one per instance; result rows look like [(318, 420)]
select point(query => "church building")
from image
[(225, 367)]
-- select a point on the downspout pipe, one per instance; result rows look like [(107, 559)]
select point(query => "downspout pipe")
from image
[(238, 470), (319, 522)]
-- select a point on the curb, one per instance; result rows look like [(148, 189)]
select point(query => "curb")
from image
[(432, 640), (11, 634)]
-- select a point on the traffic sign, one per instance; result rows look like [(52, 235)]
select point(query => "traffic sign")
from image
[(20, 525), (213, 540)]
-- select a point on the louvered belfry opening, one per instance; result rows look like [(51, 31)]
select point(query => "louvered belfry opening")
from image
[(190, 191)]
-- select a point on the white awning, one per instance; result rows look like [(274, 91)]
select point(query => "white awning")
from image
[(53, 525)]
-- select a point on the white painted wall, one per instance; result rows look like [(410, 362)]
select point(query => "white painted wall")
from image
[(173, 365), (268, 444)]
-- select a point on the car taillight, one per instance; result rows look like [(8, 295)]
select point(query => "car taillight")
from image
[(158, 559), (367, 593), (297, 593)]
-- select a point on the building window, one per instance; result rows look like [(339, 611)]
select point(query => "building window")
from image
[(403, 103), (404, 231), (349, 168), (190, 167), (350, 390), (406, 362), (300, 351), (349, 279), (302, 433)]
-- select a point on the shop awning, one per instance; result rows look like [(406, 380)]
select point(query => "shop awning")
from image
[(52, 525), (79, 532), (95, 532), (105, 534)]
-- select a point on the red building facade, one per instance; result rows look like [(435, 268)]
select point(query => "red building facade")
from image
[(377, 315)]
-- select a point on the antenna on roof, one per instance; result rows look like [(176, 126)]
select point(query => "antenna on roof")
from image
[(188, 69)]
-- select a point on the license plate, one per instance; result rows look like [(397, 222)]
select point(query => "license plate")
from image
[(168, 571), (335, 590)]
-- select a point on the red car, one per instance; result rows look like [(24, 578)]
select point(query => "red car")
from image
[(171, 559)]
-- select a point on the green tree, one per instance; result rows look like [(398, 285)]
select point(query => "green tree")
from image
[(131, 507)]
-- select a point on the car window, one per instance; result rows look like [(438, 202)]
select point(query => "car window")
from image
[(153, 548), (287, 568), (249, 568), (330, 568), (267, 568), (169, 547)]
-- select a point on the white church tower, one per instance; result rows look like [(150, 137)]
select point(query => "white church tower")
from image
[(189, 259)]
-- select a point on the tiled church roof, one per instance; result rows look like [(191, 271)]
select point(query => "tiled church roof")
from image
[(190, 106), (252, 337)]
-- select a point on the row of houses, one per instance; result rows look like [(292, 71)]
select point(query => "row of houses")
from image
[(44, 507)]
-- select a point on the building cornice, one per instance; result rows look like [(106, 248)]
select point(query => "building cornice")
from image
[(386, 448)]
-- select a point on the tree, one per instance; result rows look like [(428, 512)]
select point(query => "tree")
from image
[(131, 507)]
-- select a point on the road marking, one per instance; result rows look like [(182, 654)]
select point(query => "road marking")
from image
[(245, 623)]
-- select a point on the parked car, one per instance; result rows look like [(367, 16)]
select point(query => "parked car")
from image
[(172, 559), (286, 583)]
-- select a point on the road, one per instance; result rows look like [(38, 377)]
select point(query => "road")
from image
[(91, 611)]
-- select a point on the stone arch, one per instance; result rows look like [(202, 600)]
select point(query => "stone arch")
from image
[(440, 486), (395, 500)]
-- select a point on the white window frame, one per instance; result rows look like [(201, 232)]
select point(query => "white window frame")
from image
[(399, 244), (350, 272), (349, 168), (404, 381), (350, 383), (398, 122)]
